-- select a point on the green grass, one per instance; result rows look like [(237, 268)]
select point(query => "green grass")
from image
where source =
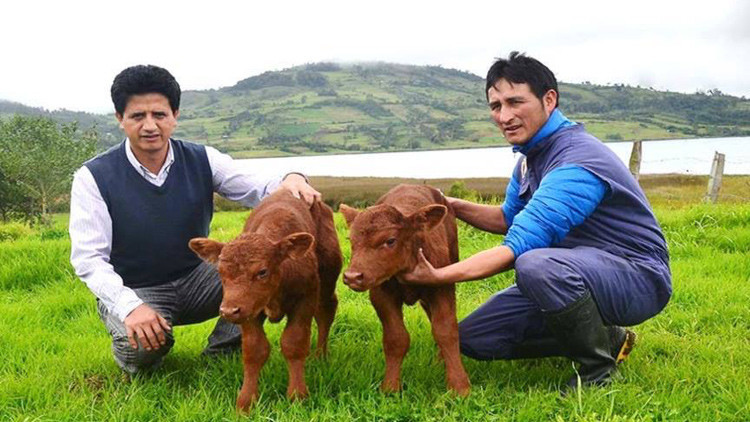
[(691, 362)]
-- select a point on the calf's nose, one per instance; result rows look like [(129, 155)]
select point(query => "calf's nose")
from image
[(228, 311), (353, 277)]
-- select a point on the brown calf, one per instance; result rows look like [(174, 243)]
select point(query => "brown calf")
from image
[(272, 270), (385, 241)]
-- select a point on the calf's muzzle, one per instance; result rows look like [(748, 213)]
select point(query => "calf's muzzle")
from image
[(354, 279), (229, 313)]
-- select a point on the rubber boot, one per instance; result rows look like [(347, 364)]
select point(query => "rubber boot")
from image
[(581, 331), (622, 341), (538, 348)]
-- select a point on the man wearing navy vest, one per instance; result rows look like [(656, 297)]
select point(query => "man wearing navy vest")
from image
[(135, 207), (588, 252)]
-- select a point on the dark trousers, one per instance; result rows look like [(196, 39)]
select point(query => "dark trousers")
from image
[(627, 292), (191, 299)]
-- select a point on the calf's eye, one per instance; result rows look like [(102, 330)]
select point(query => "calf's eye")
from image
[(262, 273)]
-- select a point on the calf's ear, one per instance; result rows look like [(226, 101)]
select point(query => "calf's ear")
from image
[(427, 217), (295, 245), (349, 213), (207, 249)]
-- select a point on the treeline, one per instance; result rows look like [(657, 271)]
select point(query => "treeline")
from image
[(619, 101), (105, 126)]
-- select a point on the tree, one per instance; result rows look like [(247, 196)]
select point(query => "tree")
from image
[(38, 157), (12, 199)]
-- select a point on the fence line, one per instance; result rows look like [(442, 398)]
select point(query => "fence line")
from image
[(714, 180)]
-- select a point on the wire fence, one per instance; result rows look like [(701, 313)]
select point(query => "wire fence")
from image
[(716, 164)]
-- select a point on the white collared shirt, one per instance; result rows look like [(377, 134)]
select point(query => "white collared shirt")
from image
[(91, 225), (156, 179)]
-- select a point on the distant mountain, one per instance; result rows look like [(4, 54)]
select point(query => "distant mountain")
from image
[(330, 108)]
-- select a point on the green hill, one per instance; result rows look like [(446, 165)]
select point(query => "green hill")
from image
[(331, 108)]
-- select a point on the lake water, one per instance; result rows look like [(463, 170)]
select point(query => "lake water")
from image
[(684, 156)]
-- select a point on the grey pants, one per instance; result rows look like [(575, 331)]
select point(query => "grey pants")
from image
[(191, 299)]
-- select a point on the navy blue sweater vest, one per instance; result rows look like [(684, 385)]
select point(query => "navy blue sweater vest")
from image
[(152, 225), (623, 223)]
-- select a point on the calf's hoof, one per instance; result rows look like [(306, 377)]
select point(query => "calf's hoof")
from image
[(297, 393), (321, 352), (245, 401), (390, 386), (460, 387), (461, 391)]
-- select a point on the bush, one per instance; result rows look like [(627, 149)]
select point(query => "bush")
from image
[(14, 231), (459, 190), (223, 204), (311, 79), (53, 234)]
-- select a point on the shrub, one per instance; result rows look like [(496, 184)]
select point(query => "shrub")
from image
[(459, 190), (14, 231)]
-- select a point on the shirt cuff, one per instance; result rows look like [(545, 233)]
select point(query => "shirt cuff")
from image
[(126, 302)]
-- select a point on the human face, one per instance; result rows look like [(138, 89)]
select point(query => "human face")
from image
[(148, 122), (517, 111)]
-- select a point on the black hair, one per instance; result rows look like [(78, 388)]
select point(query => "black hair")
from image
[(144, 79), (519, 68)]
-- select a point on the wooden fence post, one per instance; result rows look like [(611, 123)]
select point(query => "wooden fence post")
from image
[(714, 179), (635, 159)]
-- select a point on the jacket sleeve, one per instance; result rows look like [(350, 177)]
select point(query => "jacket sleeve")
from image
[(513, 203), (565, 198)]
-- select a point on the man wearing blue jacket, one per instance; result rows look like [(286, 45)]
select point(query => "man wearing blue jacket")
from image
[(588, 252)]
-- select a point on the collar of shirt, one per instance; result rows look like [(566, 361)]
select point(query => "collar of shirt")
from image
[(143, 171), (555, 122)]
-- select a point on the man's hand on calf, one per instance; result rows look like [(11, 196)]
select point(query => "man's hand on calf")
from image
[(297, 185), (145, 326), (423, 272)]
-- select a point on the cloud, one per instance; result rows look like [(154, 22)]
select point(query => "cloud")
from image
[(62, 58)]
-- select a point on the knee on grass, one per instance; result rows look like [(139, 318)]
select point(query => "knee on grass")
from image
[(139, 360)]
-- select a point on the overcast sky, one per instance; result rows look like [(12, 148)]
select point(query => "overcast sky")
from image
[(64, 54)]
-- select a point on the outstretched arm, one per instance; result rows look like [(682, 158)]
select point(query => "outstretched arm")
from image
[(481, 265), (241, 184), (565, 198), (489, 218)]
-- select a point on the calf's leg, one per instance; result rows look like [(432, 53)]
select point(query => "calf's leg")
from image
[(442, 305), (255, 351), (295, 345), (388, 305), (324, 318), (328, 253)]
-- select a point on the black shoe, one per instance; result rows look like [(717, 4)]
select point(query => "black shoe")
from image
[(581, 331)]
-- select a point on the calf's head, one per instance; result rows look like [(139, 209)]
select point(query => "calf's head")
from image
[(249, 267), (384, 241)]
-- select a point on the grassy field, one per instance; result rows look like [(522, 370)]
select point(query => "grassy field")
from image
[(691, 362)]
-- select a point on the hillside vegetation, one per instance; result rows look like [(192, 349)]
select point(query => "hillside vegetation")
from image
[(330, 108)]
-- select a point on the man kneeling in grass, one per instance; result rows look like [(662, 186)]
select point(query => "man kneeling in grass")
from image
[(588, 252), (133, 210)]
